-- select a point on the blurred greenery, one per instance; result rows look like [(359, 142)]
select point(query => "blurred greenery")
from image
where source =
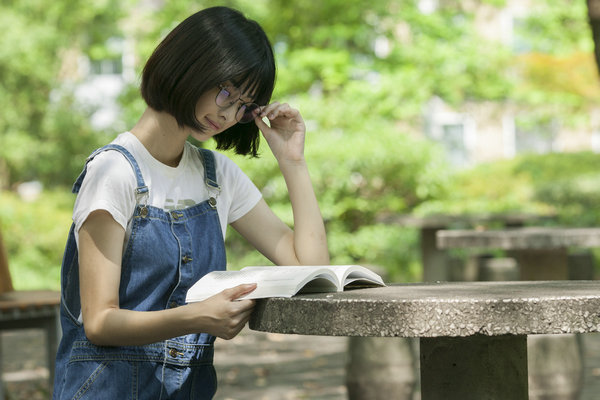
[(43, 133), (360, 73), (565, 185), (34, 234)]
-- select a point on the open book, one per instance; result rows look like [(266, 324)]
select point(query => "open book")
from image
[(285, 281)]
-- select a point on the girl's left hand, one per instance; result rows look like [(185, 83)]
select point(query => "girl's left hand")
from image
[(286, 132)]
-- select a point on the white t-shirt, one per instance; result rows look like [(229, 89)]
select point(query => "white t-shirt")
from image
[(110, 182)]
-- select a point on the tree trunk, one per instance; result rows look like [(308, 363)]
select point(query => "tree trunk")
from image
[(594, 17), (5, 280)]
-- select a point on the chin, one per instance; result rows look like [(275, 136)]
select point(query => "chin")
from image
[(201, 136)]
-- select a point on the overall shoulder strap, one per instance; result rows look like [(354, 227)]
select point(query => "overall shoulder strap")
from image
[(141, 186), (210, 168)]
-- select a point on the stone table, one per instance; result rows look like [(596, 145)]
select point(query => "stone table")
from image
[(434, 259), (541, 254), (473, 335)]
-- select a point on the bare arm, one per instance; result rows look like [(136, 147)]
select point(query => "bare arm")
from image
[(100, 248), (307, 242)]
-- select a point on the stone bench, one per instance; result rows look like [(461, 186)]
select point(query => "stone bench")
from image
[(434, 259), (25, 309), (473, 335), (542, 252)]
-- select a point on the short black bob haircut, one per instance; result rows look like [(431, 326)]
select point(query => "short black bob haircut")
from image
[(211, 47)]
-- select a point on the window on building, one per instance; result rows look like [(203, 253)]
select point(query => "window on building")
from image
[(107, 66), (535, 136), (521, 43), (108, 60), (453, 130), (454, 141)]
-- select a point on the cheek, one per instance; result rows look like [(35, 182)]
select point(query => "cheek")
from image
[(203, 108), (206, 104)]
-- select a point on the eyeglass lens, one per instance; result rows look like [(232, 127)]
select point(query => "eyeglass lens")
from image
[(245, 113)]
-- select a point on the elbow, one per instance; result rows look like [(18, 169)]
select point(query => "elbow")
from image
[(95, 331), (94, 334)]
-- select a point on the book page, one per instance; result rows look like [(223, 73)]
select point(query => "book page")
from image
[(346, 275), (284, 281), (271, 282), (356, 275)]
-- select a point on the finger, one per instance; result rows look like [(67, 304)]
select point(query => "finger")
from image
[(282, 110), (239, 291), (244, 316), (235, 330), (276, 110), (244, 319), (244, 306), (237, 324), (262, 125), (269, 108), (290, 116)]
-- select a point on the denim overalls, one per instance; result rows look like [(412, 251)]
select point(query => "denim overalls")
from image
[(166, 253)]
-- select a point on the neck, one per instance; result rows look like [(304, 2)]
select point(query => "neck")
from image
[(161, 136)]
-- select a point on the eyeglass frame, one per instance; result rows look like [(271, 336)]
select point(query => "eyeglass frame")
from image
[(222, 89)]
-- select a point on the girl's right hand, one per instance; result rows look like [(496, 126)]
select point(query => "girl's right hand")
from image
[(222, 315)]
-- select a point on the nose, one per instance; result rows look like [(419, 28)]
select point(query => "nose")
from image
[(228, 113)]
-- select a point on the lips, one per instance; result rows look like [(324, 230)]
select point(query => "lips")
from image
[(211, 124)]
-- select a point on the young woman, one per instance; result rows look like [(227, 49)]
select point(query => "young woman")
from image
[(151, 213)]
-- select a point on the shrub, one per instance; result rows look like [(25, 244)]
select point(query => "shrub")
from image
[(35, 234)]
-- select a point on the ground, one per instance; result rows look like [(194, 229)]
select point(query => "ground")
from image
[(254, 365)]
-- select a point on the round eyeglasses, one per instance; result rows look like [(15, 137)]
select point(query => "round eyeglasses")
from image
[(228, 96)]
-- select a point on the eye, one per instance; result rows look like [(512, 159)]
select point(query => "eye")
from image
[(228, 98), (223, 97)]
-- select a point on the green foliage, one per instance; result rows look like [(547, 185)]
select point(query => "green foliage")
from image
[(564, 184), (555, 27), (332, 66), (35, 235), (555, 70), (435, 54), (557, 166), (333, 24), (41, 138), (568, 182), (362, 170), (393, 248), (576, 198), (361, 105)]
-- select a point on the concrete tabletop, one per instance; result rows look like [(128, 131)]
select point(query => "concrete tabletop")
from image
[(450, 309), (520, 238)]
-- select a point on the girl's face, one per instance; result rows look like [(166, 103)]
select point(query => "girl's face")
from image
[(216, 110)]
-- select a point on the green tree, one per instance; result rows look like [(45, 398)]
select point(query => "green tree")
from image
[(555, 69), (594, 19), (43, 135), (359, 71)]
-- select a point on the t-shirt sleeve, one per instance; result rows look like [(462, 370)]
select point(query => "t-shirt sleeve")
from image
[(244, 193), (109, 184)]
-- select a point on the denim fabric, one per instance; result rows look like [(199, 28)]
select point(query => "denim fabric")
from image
[(166, 253)]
